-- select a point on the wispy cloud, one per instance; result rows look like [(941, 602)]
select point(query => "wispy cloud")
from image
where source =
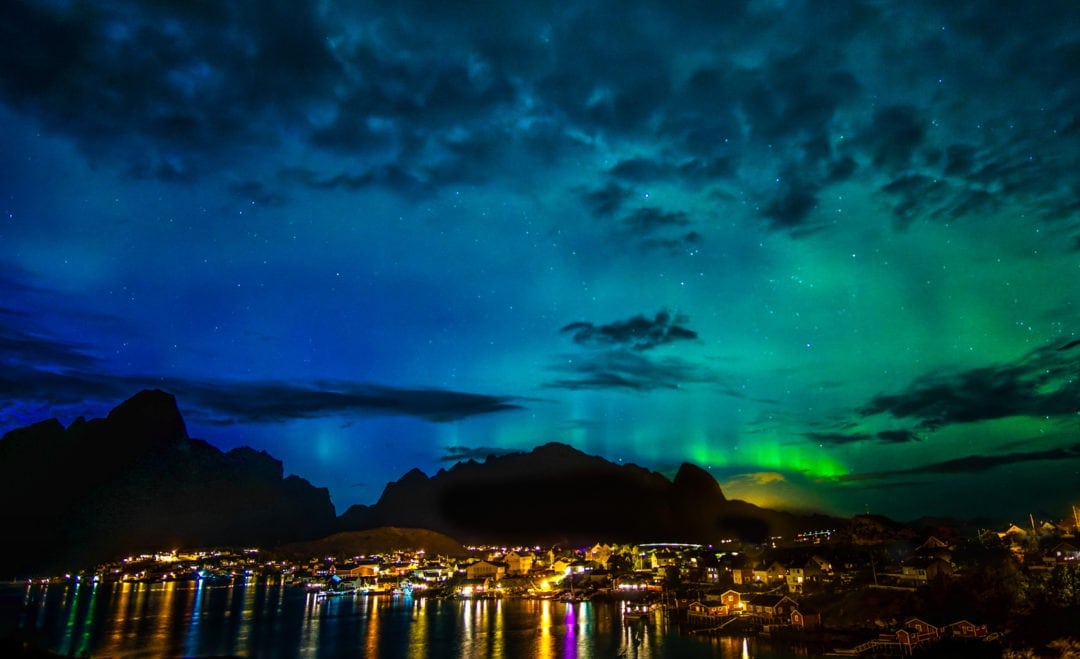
[(617, 355), (273, 402), (898, 436), (628, 370), (40, 370), (969, 464), (1045, 382), (637, 333)]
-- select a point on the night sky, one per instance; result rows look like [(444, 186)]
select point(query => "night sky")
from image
[(828, 250)]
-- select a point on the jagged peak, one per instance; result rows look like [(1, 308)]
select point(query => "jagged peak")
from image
[(414, 475), (50, 430), (557, 448), (248, 453), (256, 462), (152, 413), (693, 478), (52, 426)]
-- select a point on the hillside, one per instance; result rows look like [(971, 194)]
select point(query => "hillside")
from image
[(373, 541)]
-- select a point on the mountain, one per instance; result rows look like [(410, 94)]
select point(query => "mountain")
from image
[(557, 494), (135, 481)]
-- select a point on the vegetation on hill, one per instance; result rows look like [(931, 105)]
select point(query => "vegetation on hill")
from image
[(374, 542)]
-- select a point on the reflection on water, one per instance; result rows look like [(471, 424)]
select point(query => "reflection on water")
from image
[(253, 618), (545, 647)]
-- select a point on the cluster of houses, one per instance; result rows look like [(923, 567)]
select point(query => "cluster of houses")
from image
[(606, 568), (800, 569), (1024, 542), (764, 586), (796, 574), (916, 634), (768, 609), (208, 564)]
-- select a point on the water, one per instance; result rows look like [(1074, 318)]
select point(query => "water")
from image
[(261, 619)]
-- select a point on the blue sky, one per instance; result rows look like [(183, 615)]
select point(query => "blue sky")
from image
[(829, 252)]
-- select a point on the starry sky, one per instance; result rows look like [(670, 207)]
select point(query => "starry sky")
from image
[(829, 251)]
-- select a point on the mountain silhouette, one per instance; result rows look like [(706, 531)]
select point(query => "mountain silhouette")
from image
[(134, 481), (557, 494)]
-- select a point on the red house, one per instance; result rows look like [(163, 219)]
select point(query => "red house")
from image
[(966, 629), (803, 618)]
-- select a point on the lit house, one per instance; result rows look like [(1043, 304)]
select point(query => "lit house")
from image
[(485, 570), (519, 562), (771, 606)]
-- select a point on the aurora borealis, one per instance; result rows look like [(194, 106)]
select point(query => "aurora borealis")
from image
[(830, 251)]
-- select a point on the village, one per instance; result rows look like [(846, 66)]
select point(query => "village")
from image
[(875, 592)]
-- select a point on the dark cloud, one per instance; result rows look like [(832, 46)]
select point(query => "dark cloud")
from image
[(687, 243), (40, 369), (16, 282), (650, 220), (959, 160), (647, 227), (789, 104), (1042, 383), (797, 93), (972, 203), (637, 333), (793, 101), (711, 169), (867, 485), (389, 176), (24, 347), (41, 372), (838, 438), (791, 207), (609, 80), (899, 436), (628, 370), (640, 170), (937, 199), (460, 453), (695, 168), (841, 169), (913, 193), (616, 355), (975, 464), (894, 135), (971, 464), (258, 193), (163, 85), (606, 201), (227, 403), (274, 402), (415, 97)]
